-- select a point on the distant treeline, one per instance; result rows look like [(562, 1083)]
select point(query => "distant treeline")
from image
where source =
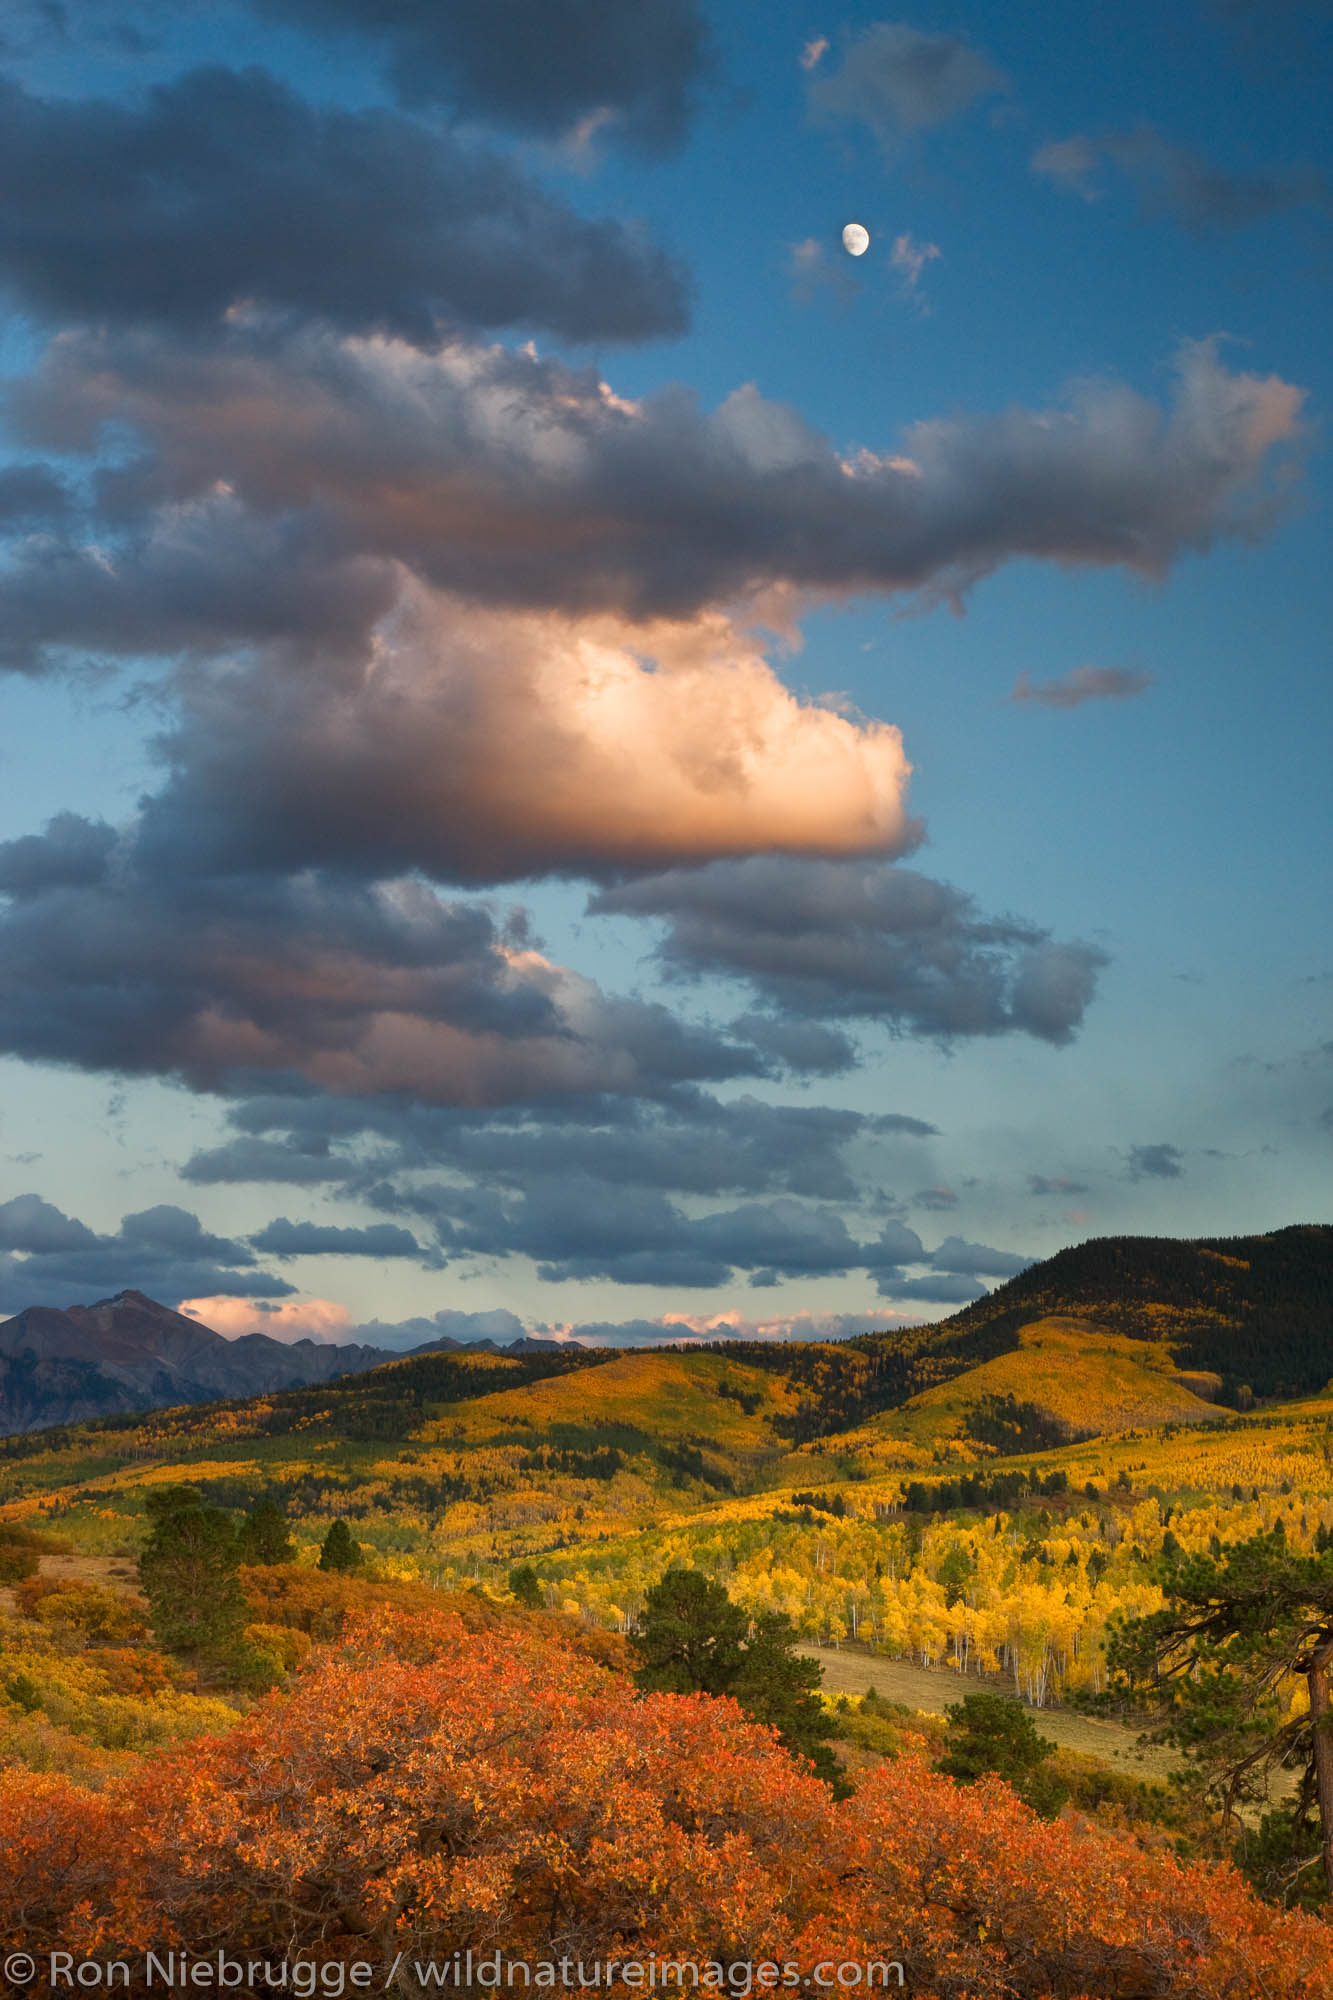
[(984, 1492)]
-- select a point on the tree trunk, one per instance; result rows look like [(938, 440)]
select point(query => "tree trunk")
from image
[(1321, 1725)]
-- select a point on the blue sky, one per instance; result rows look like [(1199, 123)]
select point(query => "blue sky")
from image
[(470, 536)]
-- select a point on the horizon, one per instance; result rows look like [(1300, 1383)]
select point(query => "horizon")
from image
[(577, 756)]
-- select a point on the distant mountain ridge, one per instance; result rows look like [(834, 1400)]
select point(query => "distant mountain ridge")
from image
[(1256, 1311), (129, 1353)]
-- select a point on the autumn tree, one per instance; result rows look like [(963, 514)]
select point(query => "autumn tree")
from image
[(692, 1639), (340, 1552), (426, 1789), (188, 1572), (1215, 1665), (263, 1536)]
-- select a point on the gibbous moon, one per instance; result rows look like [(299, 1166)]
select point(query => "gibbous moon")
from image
[(856, 239)]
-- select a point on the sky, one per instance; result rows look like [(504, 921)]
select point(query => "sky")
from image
[(574, 757)]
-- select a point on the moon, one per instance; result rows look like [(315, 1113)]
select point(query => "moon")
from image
[(856, 239)]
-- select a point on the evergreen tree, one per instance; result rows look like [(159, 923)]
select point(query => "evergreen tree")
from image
[(1211, 1664), (993, 1733), (188, 1573), (692, 1639), (525, 1587), (263, 1536), (340, 1552)]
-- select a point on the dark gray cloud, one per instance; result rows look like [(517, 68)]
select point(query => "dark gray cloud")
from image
[(848, 939), (384, 987), (542, 67), (271, 465), (226, 187), (687, 1142), (807, 1048), (1055, 1184), (898, 80), (50, 1258), (1080, 684), (1177, 182), (956, 1256), (297, 1162), (577, 1227), (71, 853), (1174, 180), (34, 1227), (1160, 1163), (31, 496), (281, 1238), (939, 1291)]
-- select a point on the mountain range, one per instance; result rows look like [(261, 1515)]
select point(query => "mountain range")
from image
[(129, 1353), (1252, 1313)]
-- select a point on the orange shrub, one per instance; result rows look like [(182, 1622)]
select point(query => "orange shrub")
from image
[(427, 1789)]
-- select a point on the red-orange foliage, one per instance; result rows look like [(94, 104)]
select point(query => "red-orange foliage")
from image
[(426, 1789)]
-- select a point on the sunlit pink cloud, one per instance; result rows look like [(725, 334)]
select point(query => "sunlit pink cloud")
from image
[(321, 1320)]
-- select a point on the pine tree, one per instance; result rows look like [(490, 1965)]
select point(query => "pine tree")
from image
[(1212, 1664), (263, 1535), (991, 1732), (693, 1640), (525, 1587), (188, 1573), (340, 1552)]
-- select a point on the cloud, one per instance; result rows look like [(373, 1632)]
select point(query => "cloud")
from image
[(573, 1227), (297, 1163), (910, 258), (226, 187), (898, 80), (497, 1324), (862, 939), (813, 50), (320, 1320), (1055, 1184), (383, 987), (935, 1198), (281, 486), (486, 747), (52, 1259), (1160, 1163), (1072, 164), (813, 269), (975, 1259), (728, 1325), (685, 1141), (284, 1239), (32, 1226), (1177, 182), (544, 69), (806, 1048), (1080, 684), (32, 496), (941, 1291)]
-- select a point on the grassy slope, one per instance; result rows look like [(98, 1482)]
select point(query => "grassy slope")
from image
[(1073, 1370)]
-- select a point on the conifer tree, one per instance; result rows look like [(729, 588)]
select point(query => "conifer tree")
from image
[(340, 1553), (1213, 1662), (263, 1536), (188, 1573), (525, 1587), (692, 1639)]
